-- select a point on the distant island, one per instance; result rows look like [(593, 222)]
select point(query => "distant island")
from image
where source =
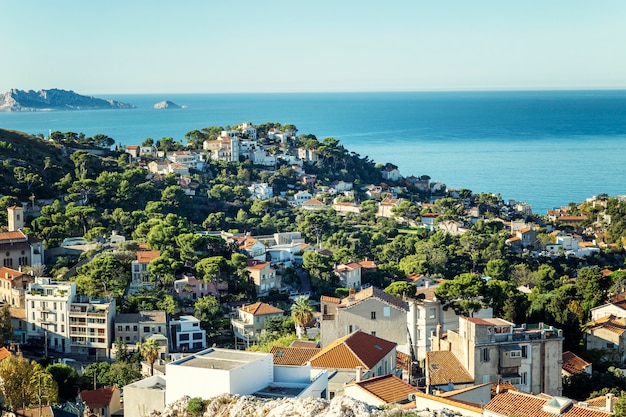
[(55, 99), (166, 104)]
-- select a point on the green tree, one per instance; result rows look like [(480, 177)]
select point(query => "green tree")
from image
[(401, 289), (150, 351), (6, 328), (66, 379), (302, 313), (466, 293)]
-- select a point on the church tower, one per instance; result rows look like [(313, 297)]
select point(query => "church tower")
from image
[(16, 218)]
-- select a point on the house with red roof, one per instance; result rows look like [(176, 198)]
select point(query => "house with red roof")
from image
[(139, 270), (250, 321), (13, 286), (102, 402), (263, 276), (381, 390), (349, 274), (370, 310), (519, 404), (574, 364), (356, 356), (607, 334)]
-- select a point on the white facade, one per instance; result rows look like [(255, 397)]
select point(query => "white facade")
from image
[(91, 326), (47, 313), (261, 191), (187, 335), (222, 371), (144, 396)]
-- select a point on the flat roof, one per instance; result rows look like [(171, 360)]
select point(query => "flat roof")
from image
[(221, 359)]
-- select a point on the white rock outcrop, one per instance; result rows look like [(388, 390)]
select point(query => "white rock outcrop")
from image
[(250, 406)]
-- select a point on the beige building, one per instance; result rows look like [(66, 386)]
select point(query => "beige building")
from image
[(250, 321), (143, 397), (495, 350), (16, 248), (371, 310), (263, 276), (13, 285)]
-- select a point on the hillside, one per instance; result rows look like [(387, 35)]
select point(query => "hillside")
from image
[(55, 99)]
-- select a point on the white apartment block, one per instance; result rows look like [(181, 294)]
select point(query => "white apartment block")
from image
[(47, 313), (91, 326), (187, 335)]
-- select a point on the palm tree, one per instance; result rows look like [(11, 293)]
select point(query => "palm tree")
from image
[(150, 352), (302, 314)]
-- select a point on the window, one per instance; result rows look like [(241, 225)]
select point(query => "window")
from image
[(524, 378), (484, 355), (184, 336), (119, 328), (373, 315), (128, 328), (387, 311), (373, 333), (524, 351), (146, 329), (432, 313), (134, 328), (197, 336), (516, 354)]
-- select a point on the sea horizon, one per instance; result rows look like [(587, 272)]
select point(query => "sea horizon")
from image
[(545, 147)]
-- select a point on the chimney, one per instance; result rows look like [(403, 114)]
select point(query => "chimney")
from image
[(609, 402), (359, 373)]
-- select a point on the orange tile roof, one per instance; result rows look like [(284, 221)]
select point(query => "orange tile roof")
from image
[(610, 323), (388, 388), (368, 264), (16, 235), (444, 367), (403, 360), (355, 349), (147, 256), (260, 309), (313, 202), (289, 355), (305, 343), (526, 405), (10, 274), (573, 363), (329, 299), (4, 353), (600, 401), (101, 396), (256, 265), (373, 292)]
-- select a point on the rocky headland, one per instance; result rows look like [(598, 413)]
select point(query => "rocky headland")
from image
[(54, 99), (166, 104)]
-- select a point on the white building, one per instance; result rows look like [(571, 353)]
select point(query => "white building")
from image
[(226, 371), (186, 334), (47, 313), (144, 396), (261, 191), (91, 326)]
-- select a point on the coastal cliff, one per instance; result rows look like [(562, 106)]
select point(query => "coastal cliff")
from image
[(166, 105), (54, 99)]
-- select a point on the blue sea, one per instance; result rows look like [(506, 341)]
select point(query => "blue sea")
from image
[(547, 148)]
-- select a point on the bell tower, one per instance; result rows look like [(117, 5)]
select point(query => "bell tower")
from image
[(16, 218)]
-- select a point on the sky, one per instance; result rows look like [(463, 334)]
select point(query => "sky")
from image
[(214, 46)]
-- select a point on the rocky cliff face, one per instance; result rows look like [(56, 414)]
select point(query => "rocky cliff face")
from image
[(45, 100), (250, 406)]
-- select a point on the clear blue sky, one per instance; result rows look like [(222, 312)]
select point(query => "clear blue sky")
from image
[(155, 46)]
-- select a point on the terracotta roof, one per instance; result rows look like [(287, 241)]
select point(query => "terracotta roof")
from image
[(132, 146), (16, 235), (347, 267), (456, 403), (329, 299), (46, 411), (428, 215), (403, 360), (373, 292), (600, 401), (355, 349), (390, 202), (10, 274), (313, 202), (526, 405), (388, 388), (260, 309), (256, 265), (368, 264), (4, 353), (444, 367), (573, 364), (429, 292), (289, 355), (101, 396), (146, 256), (610, 323), (305, 343)]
